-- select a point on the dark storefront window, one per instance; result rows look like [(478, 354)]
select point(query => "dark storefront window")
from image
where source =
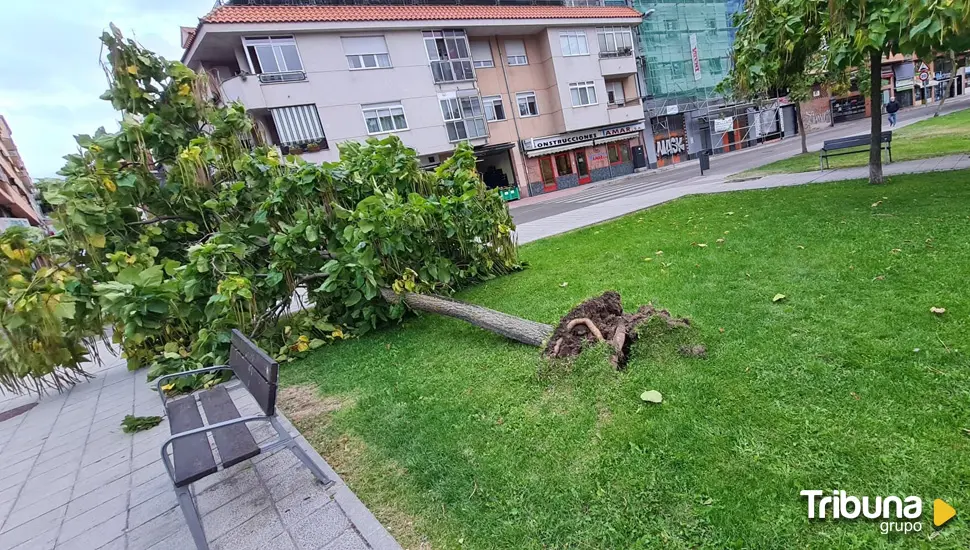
[(563, 166), (618, 152)]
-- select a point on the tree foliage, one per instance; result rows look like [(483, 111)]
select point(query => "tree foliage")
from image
[(777, 42), (183, 233)]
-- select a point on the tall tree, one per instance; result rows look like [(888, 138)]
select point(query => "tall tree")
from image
[(777, 49)]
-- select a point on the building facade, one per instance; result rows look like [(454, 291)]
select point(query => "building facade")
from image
[(17, 204), (547, 95)]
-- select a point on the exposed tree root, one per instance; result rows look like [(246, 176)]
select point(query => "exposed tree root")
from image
[(602, 319)]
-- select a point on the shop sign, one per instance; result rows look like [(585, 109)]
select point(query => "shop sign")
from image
[(695, 58), (673, 109), (555, 141), (725, 124), (625, 129)]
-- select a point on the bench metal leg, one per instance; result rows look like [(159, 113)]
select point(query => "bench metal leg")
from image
[(286, 441), (191, 513)]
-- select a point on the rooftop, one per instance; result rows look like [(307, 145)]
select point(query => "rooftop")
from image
[(315, 14)]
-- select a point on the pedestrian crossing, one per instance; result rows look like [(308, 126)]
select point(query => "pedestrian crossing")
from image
[(606, 192)]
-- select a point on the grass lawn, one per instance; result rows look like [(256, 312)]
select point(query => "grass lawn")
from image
[(457, 438), (934, 137)]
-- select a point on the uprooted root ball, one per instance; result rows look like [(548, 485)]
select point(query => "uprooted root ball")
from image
[(602, 319)]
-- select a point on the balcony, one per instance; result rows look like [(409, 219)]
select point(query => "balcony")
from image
[(452, 70), (268, 90), (628, 112), (618, 63)]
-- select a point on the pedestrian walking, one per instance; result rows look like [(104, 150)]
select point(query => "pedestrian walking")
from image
[(892, 108)]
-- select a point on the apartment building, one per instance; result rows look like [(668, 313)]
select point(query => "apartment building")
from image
[(547, 95), (17, 205)]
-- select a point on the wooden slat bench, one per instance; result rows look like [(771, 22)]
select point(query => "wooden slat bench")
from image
[(192, 458), (852, 145)]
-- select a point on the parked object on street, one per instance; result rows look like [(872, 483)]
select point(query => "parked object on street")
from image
[(857, 144), (192, 457)]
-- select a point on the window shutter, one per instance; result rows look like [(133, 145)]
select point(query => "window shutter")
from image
[(355, 45), (514, 47), (481, 51), (299, 124)]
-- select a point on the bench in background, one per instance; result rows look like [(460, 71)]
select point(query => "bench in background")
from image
[(192, 457), (852, 145)]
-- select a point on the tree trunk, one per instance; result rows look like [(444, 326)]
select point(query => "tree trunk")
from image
[(949, 83), (801, 128), (510, 326), (875, 135)]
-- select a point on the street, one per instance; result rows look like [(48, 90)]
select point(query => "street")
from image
[(688, 174)]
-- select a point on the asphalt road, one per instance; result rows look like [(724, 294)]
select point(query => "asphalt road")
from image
[(721, 166)]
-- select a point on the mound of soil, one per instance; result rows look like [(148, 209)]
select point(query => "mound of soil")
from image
[(602, 319)]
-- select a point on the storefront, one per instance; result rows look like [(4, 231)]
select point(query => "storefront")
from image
[(577, 158)]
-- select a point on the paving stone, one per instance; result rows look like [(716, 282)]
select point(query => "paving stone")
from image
[(149, 472), (39, 487), (37, 528), (97, 535), (180, 538), (83, 503), (150, 489), (111, 461), (21, 514), (156, 530), (228, 489), (151, 508), (114, 473), (282, 542), (290, 480), (320, 528), (349, 540), (228, 516), (301, 503), (101, 513), (254, 533), (276, 463)]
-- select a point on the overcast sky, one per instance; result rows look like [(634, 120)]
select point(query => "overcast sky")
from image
[(50, 77)]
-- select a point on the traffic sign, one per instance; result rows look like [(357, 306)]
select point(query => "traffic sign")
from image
[(924, 76)]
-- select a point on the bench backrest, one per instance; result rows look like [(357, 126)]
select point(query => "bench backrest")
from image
[(854, 141), (256, 370)]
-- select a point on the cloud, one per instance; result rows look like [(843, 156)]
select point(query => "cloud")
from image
[(51, 69)]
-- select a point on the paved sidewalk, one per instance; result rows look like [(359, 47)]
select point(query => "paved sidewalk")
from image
[(71, 479), (631, 201)]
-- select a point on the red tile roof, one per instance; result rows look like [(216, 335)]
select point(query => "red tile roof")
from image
[(327, 14)]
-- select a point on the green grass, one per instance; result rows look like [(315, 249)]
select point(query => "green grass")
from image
[(458, 438), (934, 137)]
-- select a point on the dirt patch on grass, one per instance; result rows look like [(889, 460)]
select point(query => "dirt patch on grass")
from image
[(375, 481), (304, 402)]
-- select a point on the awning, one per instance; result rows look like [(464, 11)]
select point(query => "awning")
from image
[(561, 148), (620, 137)]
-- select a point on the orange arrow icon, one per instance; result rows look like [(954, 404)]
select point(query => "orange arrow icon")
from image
[(942, 512)]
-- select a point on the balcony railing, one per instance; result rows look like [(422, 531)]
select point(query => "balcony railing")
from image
[(619, 52), (290, 76), (452, 70)]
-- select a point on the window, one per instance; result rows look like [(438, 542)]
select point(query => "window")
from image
[(464, 116), (671, 24), (618, 152), (482, 54), (272, 54), (614, 93), (527, 104), (298, 125), (583, 93), (515, 52), (563, 166), (450, 58), (387, 117), (494, 110), (714, 65), (366, 52), (573, 43), (615, 41)]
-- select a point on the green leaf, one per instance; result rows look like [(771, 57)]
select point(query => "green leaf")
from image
[(65, 310), (652, 396), (128, 180), (353, 298), (311, 233), (778, 297)]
